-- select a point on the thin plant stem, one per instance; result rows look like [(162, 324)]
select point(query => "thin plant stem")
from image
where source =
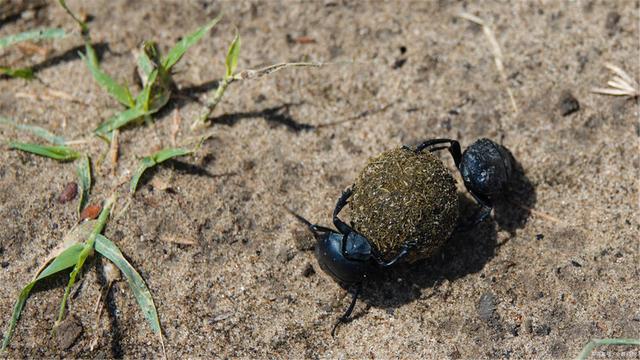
[(213, 102)]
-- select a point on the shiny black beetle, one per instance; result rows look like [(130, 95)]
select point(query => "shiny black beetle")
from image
[(349, 257), (485, 167)]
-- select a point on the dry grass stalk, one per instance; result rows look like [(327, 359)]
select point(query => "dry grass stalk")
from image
[(175, 126), (114, 151), (622, 84), (497, 53)]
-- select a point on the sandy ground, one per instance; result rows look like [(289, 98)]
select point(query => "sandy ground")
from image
[(231, 271)]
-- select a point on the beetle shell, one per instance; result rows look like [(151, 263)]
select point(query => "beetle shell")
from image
[(334, 263), (486, 168), (402, 197)]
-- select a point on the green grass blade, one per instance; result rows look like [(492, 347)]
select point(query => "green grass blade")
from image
[(17, 310), (231, 62), (109, 250), (145, 163), (64, 260), (87, 249), (117, 91), (84, 174), (39, 34), (157, 82), (183, 45), (154, 159), (60, 153), (586, 351), (35, 130), (142, 100), (145, 63), (166, 154), (23, 73), (120, 119)]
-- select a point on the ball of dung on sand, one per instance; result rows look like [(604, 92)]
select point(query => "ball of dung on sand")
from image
[(402, 197)]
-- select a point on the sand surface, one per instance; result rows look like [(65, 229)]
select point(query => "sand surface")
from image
[(231, 271)]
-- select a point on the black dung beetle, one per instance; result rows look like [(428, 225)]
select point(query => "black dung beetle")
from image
[(485, 167), (347, 255)]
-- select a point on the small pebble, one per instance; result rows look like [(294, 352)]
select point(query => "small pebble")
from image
[(575, 263), (568, 104), (90, 212), (486, 306), (308, 271), (613, 18), (69, 193), (399, 63), (68, 332)]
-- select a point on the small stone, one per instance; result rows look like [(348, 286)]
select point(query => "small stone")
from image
[(69, 193), (399, 63), (486, 306), (539, 236), (90, 212), (568, 104), (611, 24), (308, 271), (68, 332)]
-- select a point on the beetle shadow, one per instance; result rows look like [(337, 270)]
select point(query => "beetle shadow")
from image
[(513, 210), (466, 252)]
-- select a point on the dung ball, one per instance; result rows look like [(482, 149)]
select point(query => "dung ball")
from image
[(402, 197)]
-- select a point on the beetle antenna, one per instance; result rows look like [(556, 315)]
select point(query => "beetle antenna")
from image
[(317, 230), (299, 217)]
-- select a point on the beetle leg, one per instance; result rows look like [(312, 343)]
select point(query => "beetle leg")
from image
[(484, 212), (346, 316), (342, 227), (319, 228), (403, 252), (453, 147), (480, 215)]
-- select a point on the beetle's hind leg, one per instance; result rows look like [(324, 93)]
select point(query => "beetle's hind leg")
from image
[(346, 317), (453, 147), (342, 227)]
